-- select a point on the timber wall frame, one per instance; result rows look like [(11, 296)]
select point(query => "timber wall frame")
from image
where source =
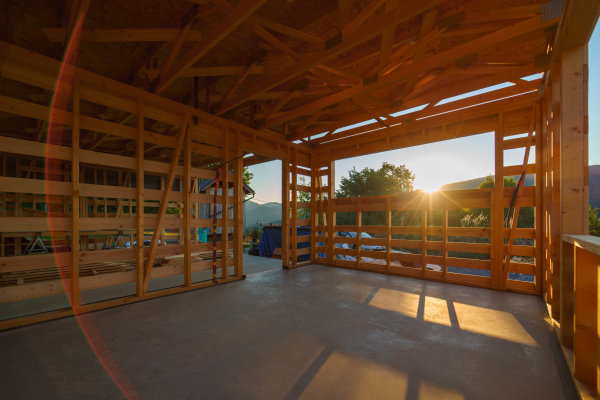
[(213, 137)]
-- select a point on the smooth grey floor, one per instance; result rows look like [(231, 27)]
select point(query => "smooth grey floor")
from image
[(313, 332), (252, 265)]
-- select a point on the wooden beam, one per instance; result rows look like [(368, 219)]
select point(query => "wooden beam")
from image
[(362, 16), (124, 35), (286, 30), (212, 71), (237, 82), (218, 33), (352, 40), (443, 58), (387, 37), (345, 12), (175, 46), (285, 212), (183, 130)]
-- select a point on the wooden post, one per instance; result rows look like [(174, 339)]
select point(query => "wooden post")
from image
[(574, 188), (424, 239), (567, 290), (294, 200), (498, 278), (225, 208), (444, 240), (585, 344), (75, 197), (358, 233), (555, 217), (139, 282), (314, 215), (238, 208), (539, 209), (285, 212), (187, 204), (331, 222), (388, 233)]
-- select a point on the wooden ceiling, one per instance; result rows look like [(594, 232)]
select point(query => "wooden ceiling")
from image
[(300, 68)]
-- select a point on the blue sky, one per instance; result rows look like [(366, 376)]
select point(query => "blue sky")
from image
[(450, 161)]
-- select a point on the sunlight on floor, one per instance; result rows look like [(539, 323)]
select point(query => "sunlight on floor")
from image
[(489, 322), (484, 321), (394, 300), (429, 391), (343, 376)]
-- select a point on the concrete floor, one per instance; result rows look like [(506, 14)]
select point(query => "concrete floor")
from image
[(310, 333), (252, 265)]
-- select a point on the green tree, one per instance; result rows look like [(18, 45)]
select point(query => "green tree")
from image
[(389, 179), (247, 176), (303, 197), (489, 183), (594, 221), (526, 214)]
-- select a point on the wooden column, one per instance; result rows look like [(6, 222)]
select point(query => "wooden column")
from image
[(294, 200), (75, 197), (285, 212), (187, 208), (574, 190), (225, 208), (539, 209), (498, 277), (555, 185), (314, 215), (330, 210), (444, 240), (573, 168), (388, 233), (585, 345), (358, 233), (424, 241), (139, 287), (238, 207), (567, 291)]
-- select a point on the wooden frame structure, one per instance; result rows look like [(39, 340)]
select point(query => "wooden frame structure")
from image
[(83, 149)]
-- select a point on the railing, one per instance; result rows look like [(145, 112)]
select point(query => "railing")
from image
[(428, 246), (579, 329)]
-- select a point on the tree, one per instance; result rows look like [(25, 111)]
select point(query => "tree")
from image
[(526, 214), (303, 213), (389, 179), (594, 221), (247, 176), (489, 183)]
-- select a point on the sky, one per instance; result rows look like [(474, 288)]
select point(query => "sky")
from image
[(436, 164)]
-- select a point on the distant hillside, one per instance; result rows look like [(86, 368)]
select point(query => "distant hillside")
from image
[(262, 213), (594, 184)]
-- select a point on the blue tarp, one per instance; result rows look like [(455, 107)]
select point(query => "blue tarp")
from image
[(271, 239)]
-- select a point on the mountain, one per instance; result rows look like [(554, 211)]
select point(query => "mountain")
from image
[(266, 213), (594, 184)]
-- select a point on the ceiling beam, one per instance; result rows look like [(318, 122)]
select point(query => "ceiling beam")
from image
[(348, 42), (123, 35), (440, 59), (231, 21)]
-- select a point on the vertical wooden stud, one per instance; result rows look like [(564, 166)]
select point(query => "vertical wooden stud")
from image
[(238, 209), (225, 208), (424, 240), (285, 211), (75, 198), (187, 207), (388, 233), (294, 200), (139, 282), (567, 290), (444, 241), (358, 233), (498, 278)]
